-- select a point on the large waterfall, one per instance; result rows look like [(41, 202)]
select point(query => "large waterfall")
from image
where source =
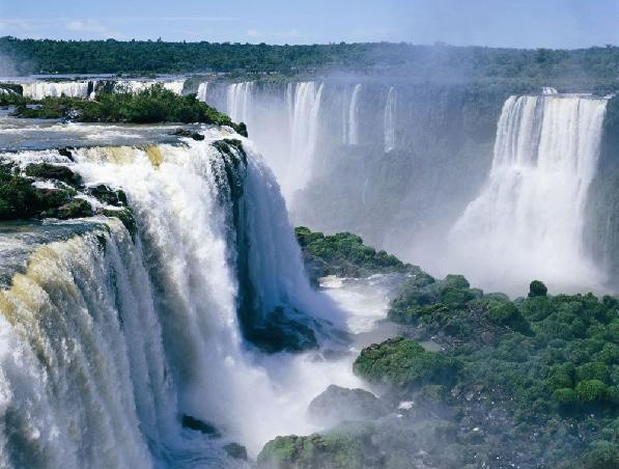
[(390, 108), (304, 109), (70, 89), (353, 116), (239, 100), (528, 220), (202, 91), (109, 338)]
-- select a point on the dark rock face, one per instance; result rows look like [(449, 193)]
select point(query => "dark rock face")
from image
[(77, 208), (337, 404), (236, 451), (188, 133), (50, 171), (279, 332), (108, 196), (192, 423)]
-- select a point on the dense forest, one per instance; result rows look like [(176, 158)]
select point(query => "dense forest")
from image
[(595, 67), (532, 382)]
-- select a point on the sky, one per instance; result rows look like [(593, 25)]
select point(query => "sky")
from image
[(496, 23)]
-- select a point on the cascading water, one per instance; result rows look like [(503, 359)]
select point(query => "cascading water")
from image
[(390, 109), (305, 111), (106, 342), (353, 117), (239, 97), (202, 91), (42, 89), (528, 220), (135, 86)]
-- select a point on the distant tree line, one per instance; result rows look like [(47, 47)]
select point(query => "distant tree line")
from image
[(596, 67)]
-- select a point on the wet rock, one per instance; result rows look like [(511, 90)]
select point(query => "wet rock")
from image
[(188, 133), (192, 423), (337, 404), (108, 196), (77, 208), (236, 451), (50, 171)]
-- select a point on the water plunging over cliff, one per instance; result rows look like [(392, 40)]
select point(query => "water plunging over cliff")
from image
[(304, 109), (107, 341), (528, 220), (353, 117), (390, 108), (202, 91), (239, 101), (70, 89)]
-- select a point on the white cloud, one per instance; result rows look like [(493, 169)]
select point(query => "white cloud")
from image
[(88, 26)]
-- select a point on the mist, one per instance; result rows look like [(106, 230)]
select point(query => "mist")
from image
[(7, 66)]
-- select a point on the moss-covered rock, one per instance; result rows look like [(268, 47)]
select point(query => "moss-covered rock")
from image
[(76, 208), (403, 363), (51, 171), (337, 404), (347, 447), (126, 217), (108, 196)]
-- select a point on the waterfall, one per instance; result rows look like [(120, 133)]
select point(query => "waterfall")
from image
[(528, 220), (239, 100), (353, 117), (202, 91), (42, 89), (304, 135), (136, 86), (106, 341), (546, 90), (390, 109)]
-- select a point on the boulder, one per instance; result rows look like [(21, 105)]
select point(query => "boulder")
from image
[(337, 404)]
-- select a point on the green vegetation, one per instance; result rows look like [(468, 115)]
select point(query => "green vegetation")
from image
[(152, 105), (344, 448), (532, 382), (595, 68), (403, 363), (19, 199), (345, 255)]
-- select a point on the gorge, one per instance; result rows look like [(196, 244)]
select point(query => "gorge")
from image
[(158, 310)]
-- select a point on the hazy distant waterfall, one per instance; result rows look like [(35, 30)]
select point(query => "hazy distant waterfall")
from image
[(43, 89), (202, 91), (390, 108), (353, 117), (528, 220), (239, 98), (305, 125)]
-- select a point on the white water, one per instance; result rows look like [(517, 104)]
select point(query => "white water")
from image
[(202, 91), (135, 86), (102, 349), (390, 110), (353, 117), (42, 89), (305, 125), (239, 101), (528, 220)]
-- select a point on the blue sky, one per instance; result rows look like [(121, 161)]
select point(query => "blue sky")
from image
[(509, 23)]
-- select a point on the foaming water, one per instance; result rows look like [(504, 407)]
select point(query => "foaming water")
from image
[(528, 220), (106, 341)]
